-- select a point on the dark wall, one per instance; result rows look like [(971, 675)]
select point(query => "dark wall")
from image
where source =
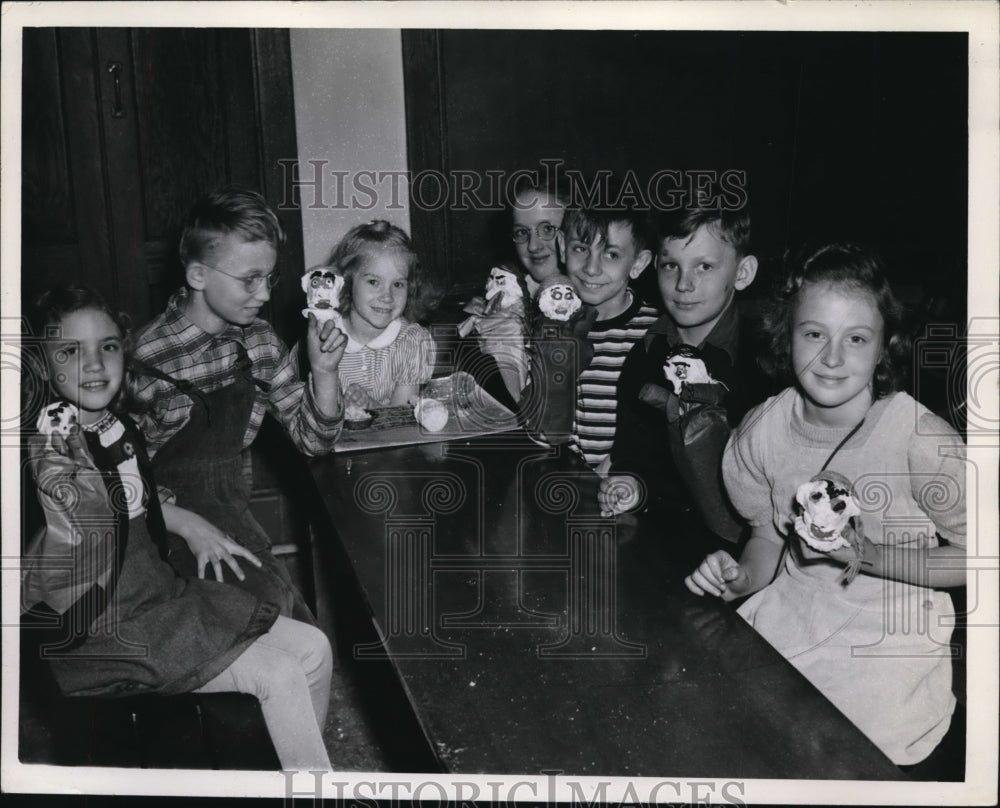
[(860, 135), (112, 160)]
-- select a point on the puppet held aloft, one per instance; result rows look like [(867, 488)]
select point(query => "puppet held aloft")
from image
[(498, 321), (558, 300), (504, 292), (830, 518), (560, 351), (322, 287), (60, 418)]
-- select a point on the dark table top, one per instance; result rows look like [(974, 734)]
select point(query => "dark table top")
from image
[(529, 634)]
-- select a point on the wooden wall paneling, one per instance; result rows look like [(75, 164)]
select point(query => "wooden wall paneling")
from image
[(182, 140), (768, 93), (275, 108), (239, 107), (426, 146), (48, 217), (79, 100), (123, 177), (46, 207), (833, 129)]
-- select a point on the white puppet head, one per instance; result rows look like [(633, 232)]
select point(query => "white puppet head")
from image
[(503, 282), (557, 299), (827, 503), (683, 364), (322, 287)]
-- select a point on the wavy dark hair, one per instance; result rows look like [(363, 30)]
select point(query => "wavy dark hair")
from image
[(49, 311), (843, 264), (610, 204), (349, 256)]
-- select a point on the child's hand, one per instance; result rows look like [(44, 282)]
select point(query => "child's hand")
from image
[(618, 494), (325, 343), (71, 446), (356, 396), (720, 575), (208, 544)]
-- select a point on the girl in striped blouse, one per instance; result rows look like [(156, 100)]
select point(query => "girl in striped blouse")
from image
[(388, 354)]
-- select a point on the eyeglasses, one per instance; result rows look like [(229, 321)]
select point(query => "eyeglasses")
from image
[(252, 282), (545, 231)]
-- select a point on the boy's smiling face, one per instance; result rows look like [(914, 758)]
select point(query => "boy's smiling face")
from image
[(600, 271), (698, 276)]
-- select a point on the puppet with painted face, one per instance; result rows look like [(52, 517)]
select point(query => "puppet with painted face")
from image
[(498, 321), (684, 365), (505, 292), (558, 300), (560, 351), (830, 518), (697, 430), (322, 287)]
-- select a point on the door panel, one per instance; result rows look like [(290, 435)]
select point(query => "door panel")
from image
[(64, 217), (123, 129)]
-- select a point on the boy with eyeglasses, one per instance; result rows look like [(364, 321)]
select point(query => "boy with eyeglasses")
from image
[(205, 373)]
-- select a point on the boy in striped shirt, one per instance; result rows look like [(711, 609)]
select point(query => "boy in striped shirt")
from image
[(604, 249)]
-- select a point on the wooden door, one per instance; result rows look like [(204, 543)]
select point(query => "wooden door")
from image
[(123, 129)]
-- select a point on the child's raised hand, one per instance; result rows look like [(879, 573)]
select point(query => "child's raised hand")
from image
[(618, 494), (208, 544), (325, 343), (720, 575)]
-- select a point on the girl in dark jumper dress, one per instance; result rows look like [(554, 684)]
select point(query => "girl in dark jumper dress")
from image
[(124, 624)]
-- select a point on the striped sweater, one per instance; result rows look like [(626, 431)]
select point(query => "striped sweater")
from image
[(597, 390)]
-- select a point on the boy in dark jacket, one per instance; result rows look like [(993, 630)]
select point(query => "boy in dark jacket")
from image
[(691, 377)]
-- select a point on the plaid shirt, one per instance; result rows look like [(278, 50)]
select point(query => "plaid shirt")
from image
[(176, 346)]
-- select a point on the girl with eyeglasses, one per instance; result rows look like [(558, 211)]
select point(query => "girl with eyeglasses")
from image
[(537, 211)]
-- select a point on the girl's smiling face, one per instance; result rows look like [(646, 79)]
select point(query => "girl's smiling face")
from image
[(837, 335), (86, 362), (379, 293), (540, 257)]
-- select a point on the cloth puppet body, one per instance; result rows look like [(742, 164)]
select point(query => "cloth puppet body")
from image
[(830, 518), (697, 429), (560, 351), (97, 592), (498, 321), (322, 287), (82, 577)]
